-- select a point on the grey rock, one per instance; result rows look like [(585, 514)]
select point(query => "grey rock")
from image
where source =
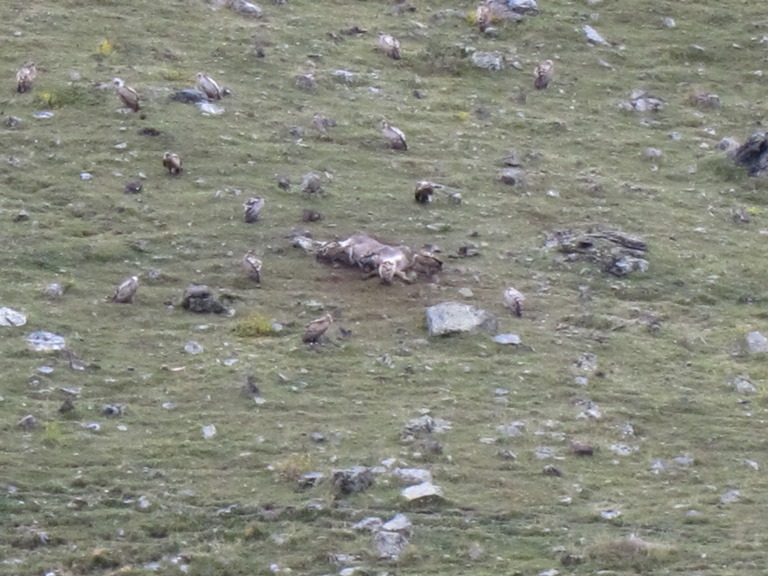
[(306, 82), (412, 476), (493, 61), (310, 480), (508, 338), (389, 545), (46, 342), (753, 154), (511, 430), (312, 182), (198, 298), (28, 422), (653, 153), (189, 96), (246, 8), (624, 265), (452, 317), (368, 524), (742, 385), (353, 480), (730, 497), (9, 317), (594, 37), (12, 122), (426, 424), (511, 176), (466, 292), (193, 347), (425, 490), (54, 290), (113, 410), (21, 216), (400, 523), (757, 343)]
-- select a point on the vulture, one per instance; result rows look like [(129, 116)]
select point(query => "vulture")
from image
[(252, 209), (513, 299), (316, 329), (172, 163), (389, 45), (543, 74), (424, 191), (208, 85), (127, 94), (125, 291), (483, 16), (252, 266), (25, 76), (394, 136)]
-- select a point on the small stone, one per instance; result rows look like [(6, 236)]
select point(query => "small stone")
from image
[(21, 216), (209, 431), (368, 524), (54, 290), (400, 523), (113, 410), (508, 339), (389, 545), (669, 22), (353, 480), (757, 343), (12, 122), (730, 497), (9, 317), (193, 347), (310, 480), (511, 176), (85, 176), (412, 475), (652, 153), (421, 491), (28, 422), (466, 292), (46, 342), (306, 82), (742, 385), (610, 514)]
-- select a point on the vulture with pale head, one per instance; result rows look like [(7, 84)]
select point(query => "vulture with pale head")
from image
[(172, 163), (252, 266), (25, 76), (316, 329), (252, 209), (127, 95), (543, 74), (208, 86), (389, 45), (394, 136), (125, 290)]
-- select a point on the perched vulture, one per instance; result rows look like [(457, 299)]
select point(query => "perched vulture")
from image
[(209, 86), (389, 45), (172, 163), (543, 74), (316, 329), (252, 209), (394, 135), (127, 94), (483, 16), (25, 76), (125, 291), (252, 266), (513, 299), (424, 190)]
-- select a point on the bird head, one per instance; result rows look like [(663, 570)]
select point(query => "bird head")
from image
[(118, 82)]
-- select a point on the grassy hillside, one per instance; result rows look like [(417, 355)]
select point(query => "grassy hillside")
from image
[(677, 451)]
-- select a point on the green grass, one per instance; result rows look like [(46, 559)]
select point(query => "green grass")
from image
[(146, 491)]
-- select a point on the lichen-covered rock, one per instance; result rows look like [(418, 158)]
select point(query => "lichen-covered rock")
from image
[(452, 317)]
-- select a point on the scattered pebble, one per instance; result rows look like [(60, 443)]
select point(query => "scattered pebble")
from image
[(209, 431)]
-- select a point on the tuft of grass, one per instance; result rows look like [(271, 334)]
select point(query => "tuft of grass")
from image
[(73, 95), (632, 551), (52, 434), (291, 467), (254, 325)]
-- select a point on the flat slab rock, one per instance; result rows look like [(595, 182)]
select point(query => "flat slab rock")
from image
[(453, 317)]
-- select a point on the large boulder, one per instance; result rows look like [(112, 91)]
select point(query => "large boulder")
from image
[(452, 317)]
